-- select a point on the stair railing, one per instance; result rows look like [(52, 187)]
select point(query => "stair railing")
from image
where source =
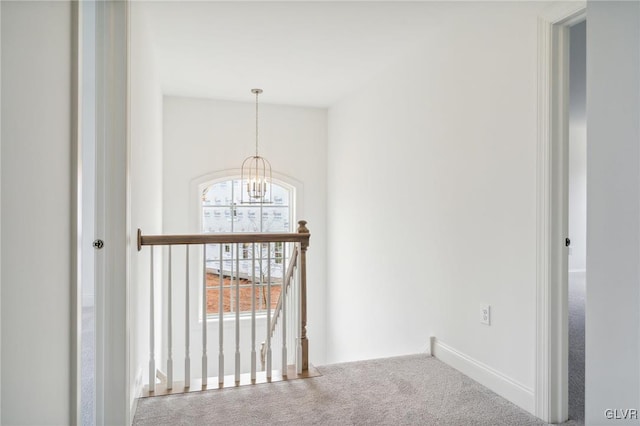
[(292, 300)]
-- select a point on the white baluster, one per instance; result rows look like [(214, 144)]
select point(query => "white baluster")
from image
[(253, 312), (187, 329), (268, 311), (294, 306), (169, 331), (204, 315), (152, 358), (231, 304), (237, 313), (283, 297), (293, 310), (299, 315), (221, 322), (261, 288), (291, 315)]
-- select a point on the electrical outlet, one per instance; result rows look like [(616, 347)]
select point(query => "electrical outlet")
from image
[(485, 314)]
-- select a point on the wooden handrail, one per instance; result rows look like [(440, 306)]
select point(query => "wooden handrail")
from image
[(165, 240)]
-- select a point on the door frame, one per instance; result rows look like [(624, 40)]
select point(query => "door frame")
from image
[(112, 215), (75, 388), (551, 358), (113, 402)]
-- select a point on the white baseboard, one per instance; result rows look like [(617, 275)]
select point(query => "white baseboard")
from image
[(504, 386), (136, 394)]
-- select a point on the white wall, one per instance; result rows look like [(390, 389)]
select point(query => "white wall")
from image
[(431, 207), (613, 213), (146, 191), (36, 60), (0, 218), (578, 149), (205, 136)]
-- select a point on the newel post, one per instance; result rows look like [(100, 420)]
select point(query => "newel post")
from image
[(302, 229)]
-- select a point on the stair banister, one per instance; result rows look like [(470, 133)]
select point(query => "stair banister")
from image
[(297, 263), (304, 342)]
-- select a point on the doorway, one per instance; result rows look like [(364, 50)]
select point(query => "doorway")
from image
[(552, 290), (87, 159), (577, 223), (84, 332)]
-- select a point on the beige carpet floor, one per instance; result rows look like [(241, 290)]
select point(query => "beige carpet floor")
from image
[(409, 390), (576, 346)]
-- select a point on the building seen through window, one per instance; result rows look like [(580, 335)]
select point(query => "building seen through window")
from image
[(223, 212)]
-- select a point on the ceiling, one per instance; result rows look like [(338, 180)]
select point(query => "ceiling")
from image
[(300, 53)]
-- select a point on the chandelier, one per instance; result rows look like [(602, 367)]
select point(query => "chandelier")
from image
[(255, 177)]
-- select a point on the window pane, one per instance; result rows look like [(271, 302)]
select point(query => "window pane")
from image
[(280, 195), (275, 219), (217, 194), (216, 219), (237, 192), (248, 219)]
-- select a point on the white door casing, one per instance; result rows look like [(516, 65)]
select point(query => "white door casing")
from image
[(112, 216), (551, 365)]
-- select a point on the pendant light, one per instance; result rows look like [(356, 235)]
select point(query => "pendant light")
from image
[(256, 173)]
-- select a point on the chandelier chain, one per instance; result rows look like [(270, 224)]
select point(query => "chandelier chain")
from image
[(257, 94)]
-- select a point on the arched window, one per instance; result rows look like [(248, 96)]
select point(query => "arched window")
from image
[(222, 212)]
